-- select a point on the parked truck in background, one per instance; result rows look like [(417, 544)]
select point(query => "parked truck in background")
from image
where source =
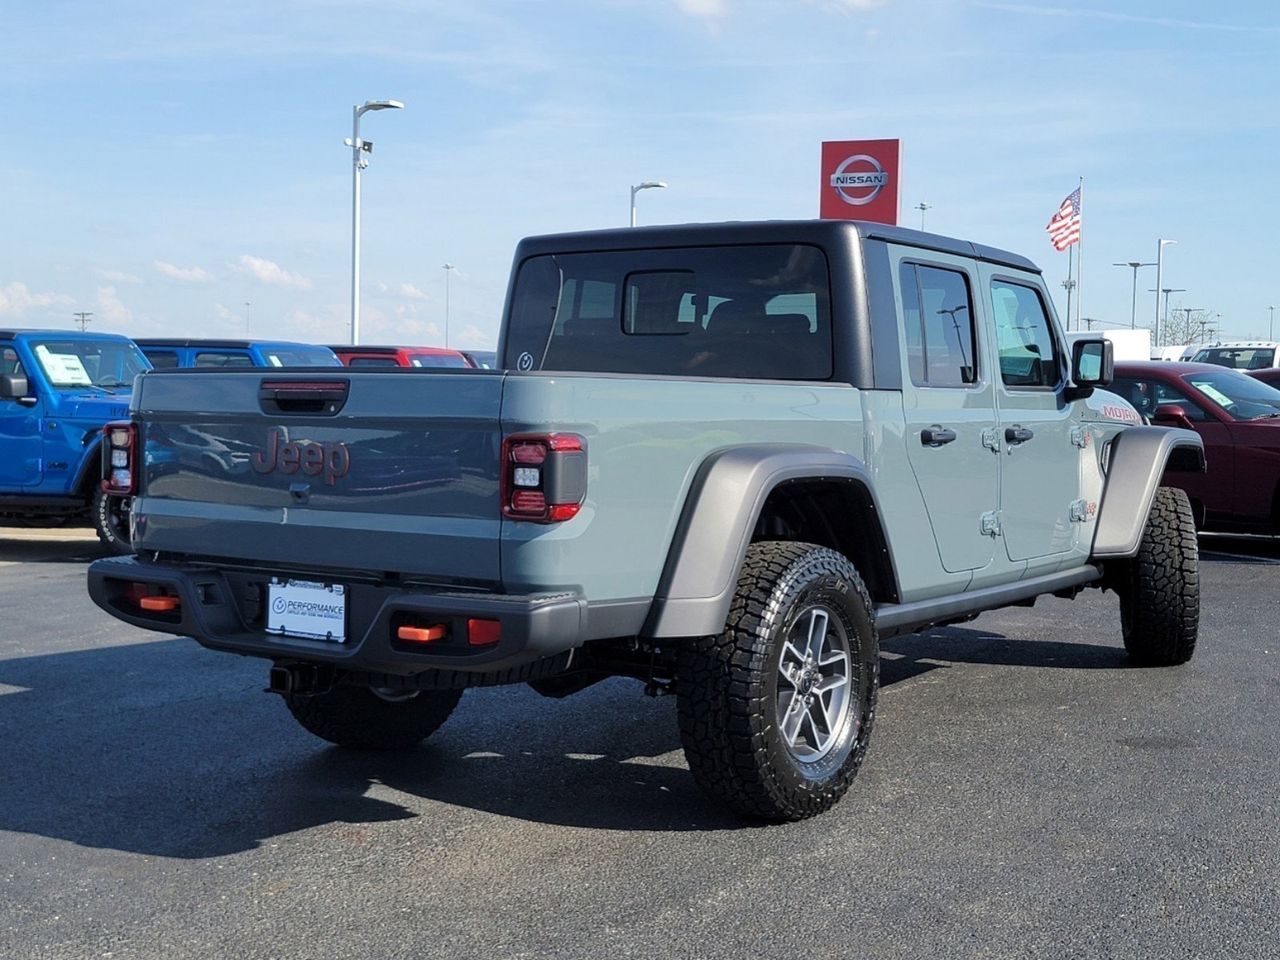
[(721, 459), (57, 390), (169, 352)]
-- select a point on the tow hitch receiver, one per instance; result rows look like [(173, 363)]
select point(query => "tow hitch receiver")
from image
[(300, 679)]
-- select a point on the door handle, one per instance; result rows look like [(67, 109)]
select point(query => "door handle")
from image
[(1017, 435), (936, 436)]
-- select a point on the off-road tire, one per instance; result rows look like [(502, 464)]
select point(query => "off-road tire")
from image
[(728, 688), (1160, 587), (111, 527), (357, 717)]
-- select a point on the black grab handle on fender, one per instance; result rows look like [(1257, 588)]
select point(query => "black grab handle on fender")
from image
[(323, 398)]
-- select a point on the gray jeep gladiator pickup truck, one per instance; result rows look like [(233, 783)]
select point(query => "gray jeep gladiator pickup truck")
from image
[(721, 459)]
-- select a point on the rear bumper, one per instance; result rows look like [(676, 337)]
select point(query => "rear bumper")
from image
[(225, 610)]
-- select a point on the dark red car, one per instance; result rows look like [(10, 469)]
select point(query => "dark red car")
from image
[(1238, 418)]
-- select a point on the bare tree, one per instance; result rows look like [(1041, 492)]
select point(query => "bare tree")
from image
[(1189, 325)]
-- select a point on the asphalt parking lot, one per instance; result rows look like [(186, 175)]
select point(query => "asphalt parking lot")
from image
[(1027, 794)]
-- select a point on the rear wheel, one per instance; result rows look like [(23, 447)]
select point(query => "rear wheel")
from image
[(361, 718), (1160, 587), (111, 521), (776, 711)]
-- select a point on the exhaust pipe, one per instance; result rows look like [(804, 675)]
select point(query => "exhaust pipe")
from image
[(300, 679)]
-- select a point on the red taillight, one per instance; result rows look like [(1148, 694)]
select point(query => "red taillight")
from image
[(481, 633), (544, 477), (120, 458)]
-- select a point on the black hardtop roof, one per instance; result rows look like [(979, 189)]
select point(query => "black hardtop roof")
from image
[(210, 342), (764, 231)]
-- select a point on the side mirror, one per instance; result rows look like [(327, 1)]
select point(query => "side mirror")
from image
[(1171, 415), (13, 386), (1092, 365)]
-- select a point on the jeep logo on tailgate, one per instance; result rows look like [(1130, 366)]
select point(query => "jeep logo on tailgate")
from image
[(313, 459)]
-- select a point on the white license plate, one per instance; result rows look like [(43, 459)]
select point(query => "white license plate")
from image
[(300, 608)]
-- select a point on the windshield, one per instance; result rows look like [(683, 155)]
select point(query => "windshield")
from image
[(1244, 398), (437, 360), (1239, 358), (301, 356), (107, 364)]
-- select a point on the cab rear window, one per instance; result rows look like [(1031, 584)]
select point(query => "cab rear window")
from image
[(751, 312)]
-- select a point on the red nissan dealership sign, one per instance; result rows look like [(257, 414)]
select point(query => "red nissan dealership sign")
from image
[(860, 180)]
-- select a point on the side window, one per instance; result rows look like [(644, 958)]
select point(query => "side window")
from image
[(9, 362), (1167, 394), (223, 360), (162, 359), (1024, 337), (937, 311)]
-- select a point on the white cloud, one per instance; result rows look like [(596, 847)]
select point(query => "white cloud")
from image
[(412, 292), (705, 9), (116, 276), (17, 299), (111, 311), (185, 274), (272, 273)]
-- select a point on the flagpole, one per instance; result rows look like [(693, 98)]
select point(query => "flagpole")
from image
[(1080, 265), (1070, 283)]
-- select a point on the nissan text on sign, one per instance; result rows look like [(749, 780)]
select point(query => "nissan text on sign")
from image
[(860, 180)]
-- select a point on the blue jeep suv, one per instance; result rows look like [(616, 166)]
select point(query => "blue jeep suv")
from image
[(58, 389)]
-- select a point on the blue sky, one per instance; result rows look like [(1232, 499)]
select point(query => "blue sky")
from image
[(167, 162)]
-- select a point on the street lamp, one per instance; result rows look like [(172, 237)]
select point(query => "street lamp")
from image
[(922, 207), (1166, 291), (1133, 310), (448, 268), (247, 305), (647, 185), (361, 150), (1160, 245), (1271, 324)]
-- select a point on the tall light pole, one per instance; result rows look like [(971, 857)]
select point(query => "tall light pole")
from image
[(1160, 245), (1166, 291), (1271, 324), (247, 304), (647, 185), (1133, 310), (360, 152), (448, 269), (922, 207)]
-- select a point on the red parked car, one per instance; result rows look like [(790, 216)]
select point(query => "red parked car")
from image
[(1238, 417), (1269, 375), (364, 356)]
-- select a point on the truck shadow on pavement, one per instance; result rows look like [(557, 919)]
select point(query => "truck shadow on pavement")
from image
[(17, 549), (165, 749)]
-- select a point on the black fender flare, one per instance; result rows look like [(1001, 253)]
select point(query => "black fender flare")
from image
[(715, 528), (1139, 458), (89, 473)]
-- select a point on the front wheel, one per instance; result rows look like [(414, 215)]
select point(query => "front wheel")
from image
[(1160, 587), (111, 521), (776, 711), (365, 719)]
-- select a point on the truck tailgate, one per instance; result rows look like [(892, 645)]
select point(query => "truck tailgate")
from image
[(381, 471)]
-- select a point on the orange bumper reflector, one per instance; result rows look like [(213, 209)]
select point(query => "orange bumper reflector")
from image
[(159, 604), (421, 634), (481, 633)]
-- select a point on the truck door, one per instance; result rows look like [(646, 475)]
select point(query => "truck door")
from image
[(1040, 463), (949, 405), (21, 463)]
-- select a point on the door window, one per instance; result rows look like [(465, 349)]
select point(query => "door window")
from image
[(1024, 336), (938, 316), (211, 359), (1146, 395), (9, 362)]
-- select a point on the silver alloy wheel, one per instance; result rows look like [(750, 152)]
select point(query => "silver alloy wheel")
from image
[(815, 684)]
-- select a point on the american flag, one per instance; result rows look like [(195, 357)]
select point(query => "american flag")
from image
[(1064, 227)]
